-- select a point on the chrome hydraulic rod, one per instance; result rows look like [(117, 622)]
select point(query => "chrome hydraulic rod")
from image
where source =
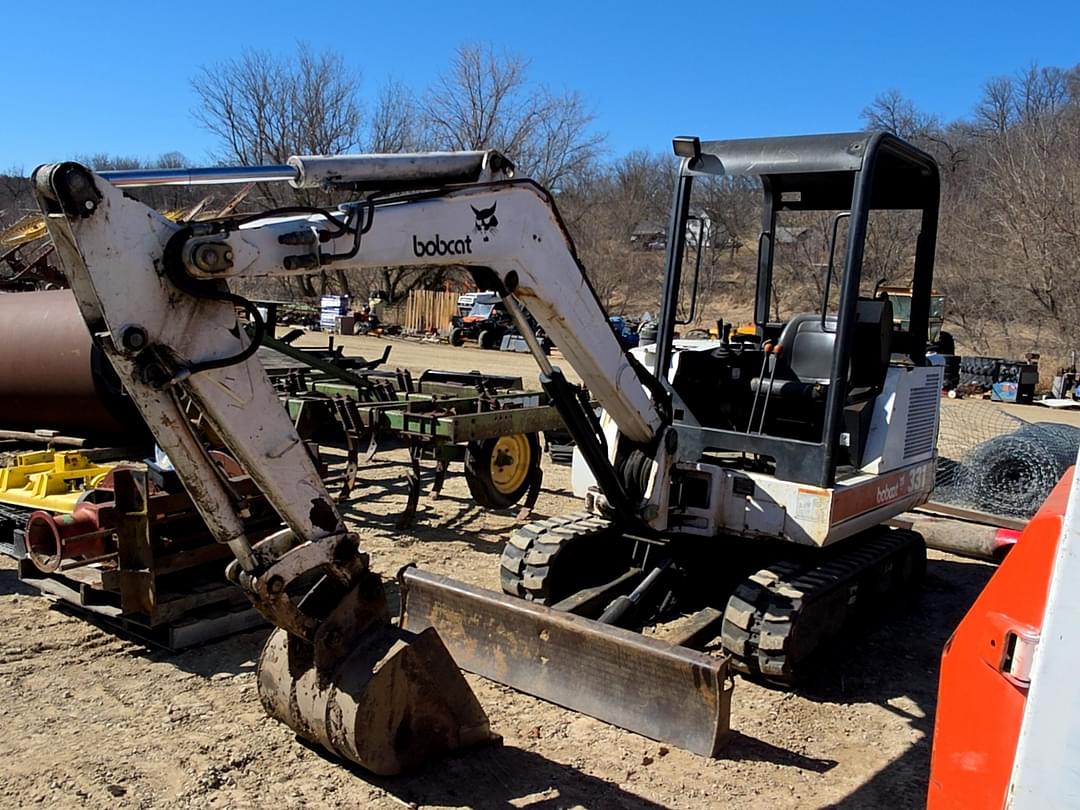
[(317, 171), (214, 175)]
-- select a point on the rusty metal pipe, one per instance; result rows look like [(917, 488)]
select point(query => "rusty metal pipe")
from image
[(963, 538), (52, 376), (52, 539)]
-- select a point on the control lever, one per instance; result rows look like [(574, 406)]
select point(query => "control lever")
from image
[(774, 356), (766, 348)]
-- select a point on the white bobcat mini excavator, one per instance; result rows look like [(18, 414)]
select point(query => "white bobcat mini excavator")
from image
[(751, 476)]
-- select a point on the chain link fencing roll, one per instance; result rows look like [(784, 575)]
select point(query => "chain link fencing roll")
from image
[(995, 462)]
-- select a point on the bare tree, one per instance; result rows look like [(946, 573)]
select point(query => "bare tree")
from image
[(994, 113), (602, 206), (395, 121), (893, 112), (266, 108), (16, 199), (485, 101), (1010, 232)]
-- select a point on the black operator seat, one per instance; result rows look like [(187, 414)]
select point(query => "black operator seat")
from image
[(804, 364)]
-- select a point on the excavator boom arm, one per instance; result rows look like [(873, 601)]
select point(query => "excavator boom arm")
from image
[(510, 228)]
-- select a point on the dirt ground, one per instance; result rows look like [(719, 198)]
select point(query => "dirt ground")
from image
[(93, 720)]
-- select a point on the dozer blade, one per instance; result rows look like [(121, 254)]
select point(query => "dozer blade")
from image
[(392, 702), (671, 694)]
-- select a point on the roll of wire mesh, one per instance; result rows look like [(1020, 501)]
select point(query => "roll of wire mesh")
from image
[(1014, 473)]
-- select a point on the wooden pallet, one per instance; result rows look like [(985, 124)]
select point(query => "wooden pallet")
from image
[(209, 608)]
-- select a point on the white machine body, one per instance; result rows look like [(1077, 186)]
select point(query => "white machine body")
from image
[(897, 474)]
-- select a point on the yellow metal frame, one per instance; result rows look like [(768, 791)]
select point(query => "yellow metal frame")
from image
[(49, 480)]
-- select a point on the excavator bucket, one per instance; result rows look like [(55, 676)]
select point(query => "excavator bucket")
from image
[(662, 691), (395, 702)]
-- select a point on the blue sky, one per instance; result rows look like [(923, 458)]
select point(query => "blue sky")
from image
[(82, 78)]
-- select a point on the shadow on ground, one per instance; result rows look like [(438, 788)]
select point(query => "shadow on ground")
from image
[(901, 659), (743, 748), (508, 775), (10, 585)]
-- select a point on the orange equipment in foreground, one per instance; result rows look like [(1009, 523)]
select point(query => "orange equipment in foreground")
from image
[(1006, 728)]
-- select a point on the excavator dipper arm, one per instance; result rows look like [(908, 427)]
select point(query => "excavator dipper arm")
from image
[(336, 670)]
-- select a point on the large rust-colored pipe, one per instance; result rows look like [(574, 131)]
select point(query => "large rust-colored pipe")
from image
[(51, 374)]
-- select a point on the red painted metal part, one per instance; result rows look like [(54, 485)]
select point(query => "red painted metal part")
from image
[(52, 540), (55, 540), (979, 706)]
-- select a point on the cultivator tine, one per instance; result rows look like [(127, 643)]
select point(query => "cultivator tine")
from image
[(667, 693), (351, 425), (413, 479)]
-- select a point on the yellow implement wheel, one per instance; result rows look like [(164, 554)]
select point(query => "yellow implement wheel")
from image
[(499, 471), (510, 463)]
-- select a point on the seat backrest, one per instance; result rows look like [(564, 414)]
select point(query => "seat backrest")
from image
[(807, 348), (807, 345)]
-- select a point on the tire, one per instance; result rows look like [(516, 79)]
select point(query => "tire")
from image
[(500, 471), (488, 339), (457, 336)]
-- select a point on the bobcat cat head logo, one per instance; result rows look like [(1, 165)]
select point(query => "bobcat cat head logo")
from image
[(486, 221)]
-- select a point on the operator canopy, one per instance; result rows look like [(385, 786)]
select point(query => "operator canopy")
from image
[(816, 172)]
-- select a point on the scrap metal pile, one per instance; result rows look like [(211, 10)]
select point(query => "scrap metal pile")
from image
[(26, 257), (1005, 380)]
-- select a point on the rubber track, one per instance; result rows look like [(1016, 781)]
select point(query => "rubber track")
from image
[(781, 616), (532, 550)]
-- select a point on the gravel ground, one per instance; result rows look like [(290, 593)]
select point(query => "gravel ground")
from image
[(93, 720)]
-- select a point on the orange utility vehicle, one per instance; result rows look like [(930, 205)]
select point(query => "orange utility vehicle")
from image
[(1007, 732)]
